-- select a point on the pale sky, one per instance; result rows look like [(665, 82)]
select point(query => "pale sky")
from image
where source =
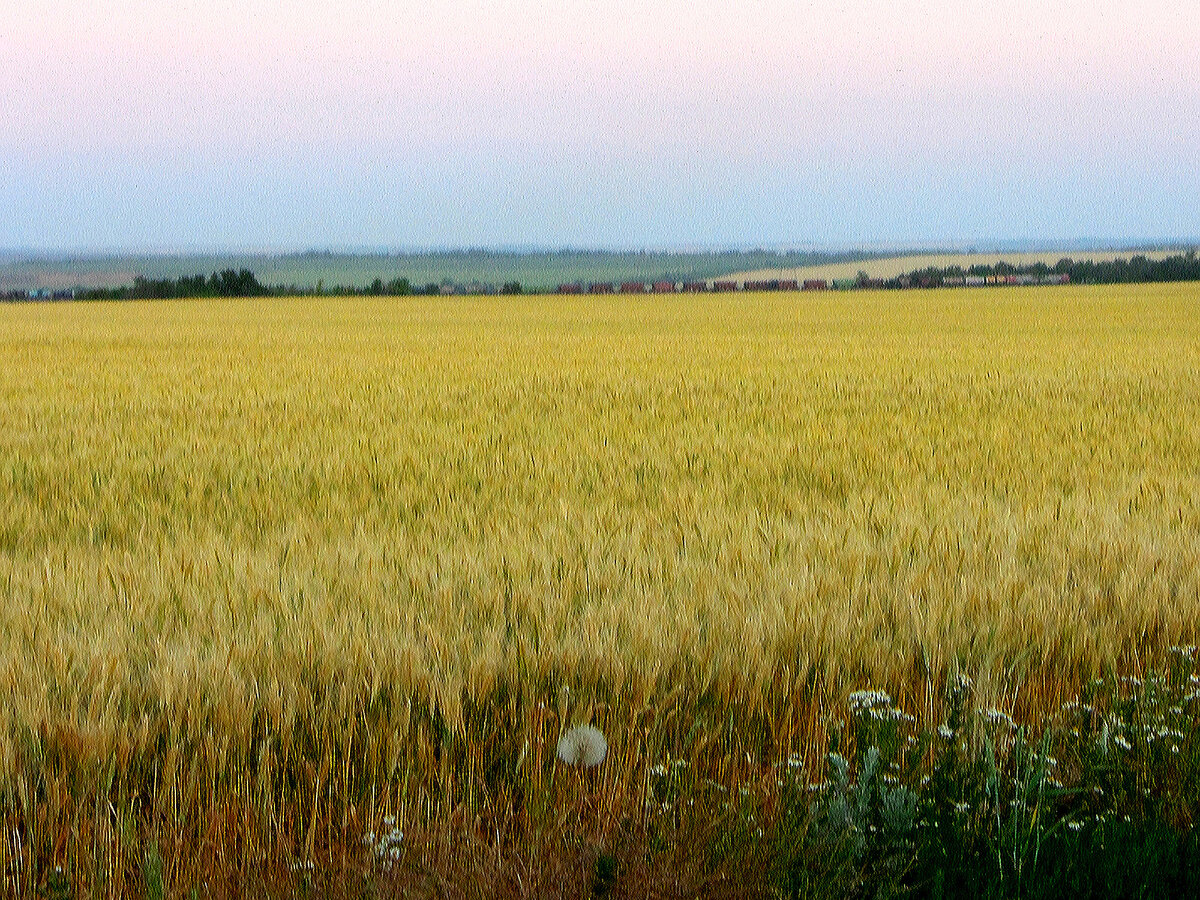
[(266, 124)]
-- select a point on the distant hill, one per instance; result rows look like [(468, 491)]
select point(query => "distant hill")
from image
[(534, 270)]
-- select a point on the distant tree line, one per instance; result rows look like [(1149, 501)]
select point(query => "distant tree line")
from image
[(243, 283), (1134, 270), (227, 283)]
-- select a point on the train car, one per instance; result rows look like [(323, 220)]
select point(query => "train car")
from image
[(665, 287), (570, 289), (815, 284), (600, 287), (633, 287), (789, 285)]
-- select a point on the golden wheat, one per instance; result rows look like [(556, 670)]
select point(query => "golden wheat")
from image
[(302, 557)]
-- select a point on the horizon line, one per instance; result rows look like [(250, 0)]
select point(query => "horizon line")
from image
[(10, 255)]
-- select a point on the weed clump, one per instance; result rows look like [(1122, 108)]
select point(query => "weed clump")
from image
[(1098, 800)]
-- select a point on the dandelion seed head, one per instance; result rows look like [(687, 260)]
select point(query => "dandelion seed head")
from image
[(583, 745)]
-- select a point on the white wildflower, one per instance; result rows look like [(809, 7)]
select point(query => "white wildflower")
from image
[(866, 699), (877, 705), (997, 717), (386, 847)]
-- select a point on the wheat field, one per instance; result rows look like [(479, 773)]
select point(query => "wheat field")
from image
[(277, 573)]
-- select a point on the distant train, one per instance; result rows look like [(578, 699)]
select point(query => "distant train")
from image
[(808, 284)]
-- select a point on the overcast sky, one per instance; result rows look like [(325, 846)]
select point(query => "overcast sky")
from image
[(266, 124)]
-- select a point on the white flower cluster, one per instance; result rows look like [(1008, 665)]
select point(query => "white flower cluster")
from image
[(995, 717), (1157, 680), (1148, 734), (386, 847), (1194, 693), (662, 770), (868, 699), (1076, 706), (877, 705)]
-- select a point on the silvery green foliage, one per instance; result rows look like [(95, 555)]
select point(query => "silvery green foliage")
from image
[(897, 809), (583, 745), (866, 808)]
